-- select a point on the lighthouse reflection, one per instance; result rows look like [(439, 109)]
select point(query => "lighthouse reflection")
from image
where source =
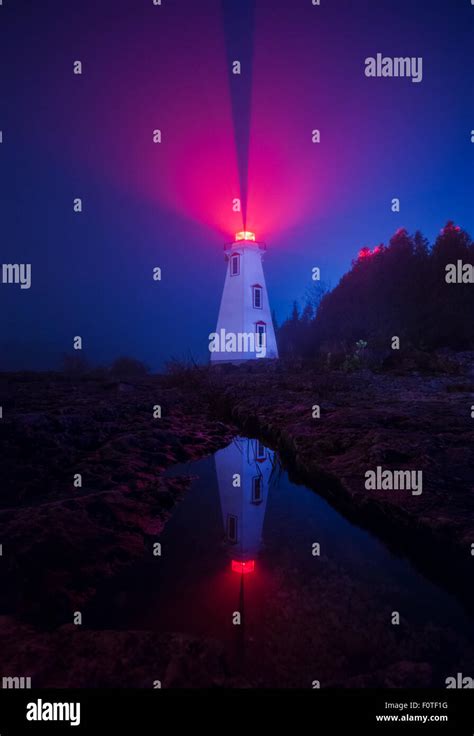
[(215, 575), (243, 471)]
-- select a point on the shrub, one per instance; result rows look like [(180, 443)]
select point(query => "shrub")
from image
[(125, 367), (75, 364)]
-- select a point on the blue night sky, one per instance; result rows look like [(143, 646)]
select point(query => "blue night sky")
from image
[(223, 136)]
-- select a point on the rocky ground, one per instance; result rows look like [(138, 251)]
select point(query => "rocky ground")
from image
[(62, 543)]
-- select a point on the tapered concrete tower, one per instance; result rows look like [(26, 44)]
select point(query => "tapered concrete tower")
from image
[(244, 326)]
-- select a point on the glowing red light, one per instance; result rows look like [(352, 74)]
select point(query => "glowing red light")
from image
[(244, 235), (450, 226), (366, 252), (243, 567)]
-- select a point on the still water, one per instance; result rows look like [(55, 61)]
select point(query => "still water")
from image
[(293, 591)]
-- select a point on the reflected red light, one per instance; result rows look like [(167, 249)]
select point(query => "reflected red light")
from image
[(244, 235), (243, 567)]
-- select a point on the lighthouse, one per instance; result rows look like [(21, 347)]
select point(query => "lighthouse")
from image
[(244, 326)]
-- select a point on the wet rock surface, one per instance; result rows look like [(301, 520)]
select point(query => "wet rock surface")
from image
[(73, 658)]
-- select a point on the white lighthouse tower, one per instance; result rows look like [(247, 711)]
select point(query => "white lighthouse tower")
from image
[(244, 326)]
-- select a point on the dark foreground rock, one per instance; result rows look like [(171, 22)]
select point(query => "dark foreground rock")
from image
[(74, 658)]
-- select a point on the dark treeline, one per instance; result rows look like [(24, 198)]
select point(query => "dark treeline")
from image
[(403, 289)]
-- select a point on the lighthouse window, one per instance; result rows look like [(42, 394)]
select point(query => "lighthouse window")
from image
[(257, 489), (257, 297), (232, 528), (261, 329), (235, 265)]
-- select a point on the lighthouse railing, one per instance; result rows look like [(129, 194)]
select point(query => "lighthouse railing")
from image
[(246, 243)]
